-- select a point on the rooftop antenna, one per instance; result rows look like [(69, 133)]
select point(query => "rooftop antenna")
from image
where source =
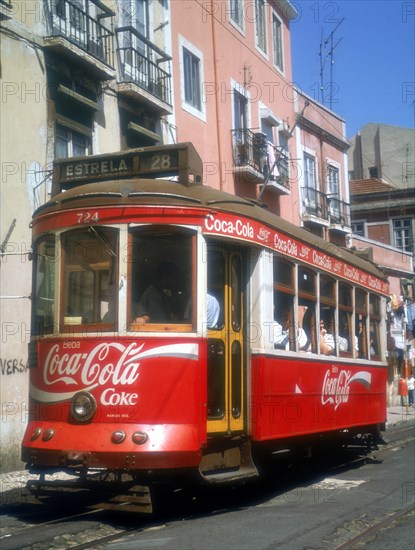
[(327, 47)]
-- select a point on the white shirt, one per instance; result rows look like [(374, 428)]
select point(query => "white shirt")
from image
[(213, 311)]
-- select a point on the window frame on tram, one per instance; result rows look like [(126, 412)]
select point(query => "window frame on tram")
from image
[(308, 299), (106, 244), (186, 276)]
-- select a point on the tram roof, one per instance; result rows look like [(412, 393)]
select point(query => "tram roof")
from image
[(135, 191)]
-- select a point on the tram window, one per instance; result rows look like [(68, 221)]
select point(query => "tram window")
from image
[(360, 328), (89, 272), (361, 301), (283, 274), (161, 275), (345, 320), (307, 308), (44, 286), (327, 315), (236, 284), (236, 379), (284, 333), (216, 288), (375, 318), (216, 375)]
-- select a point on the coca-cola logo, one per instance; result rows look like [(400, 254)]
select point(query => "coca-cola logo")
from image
[(336, 385), (107, 363), (108, 366)]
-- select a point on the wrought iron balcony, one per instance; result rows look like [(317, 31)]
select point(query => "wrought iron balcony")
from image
[(314, 203), (139, 62), (6, 4), (264, 161), (339, 211), (68, 20)]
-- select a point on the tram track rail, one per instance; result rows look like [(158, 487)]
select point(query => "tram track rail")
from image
[(102, 530), (375, 528)]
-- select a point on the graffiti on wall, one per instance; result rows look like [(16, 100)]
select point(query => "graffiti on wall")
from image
[(8, 367)]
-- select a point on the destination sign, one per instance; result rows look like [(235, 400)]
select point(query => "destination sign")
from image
[(179, 160)]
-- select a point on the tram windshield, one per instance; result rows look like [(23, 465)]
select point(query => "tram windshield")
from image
[(89, 259), (44, 286), (161, 278)]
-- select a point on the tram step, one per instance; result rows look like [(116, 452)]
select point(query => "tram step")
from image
[(226, 460), (227, 476)]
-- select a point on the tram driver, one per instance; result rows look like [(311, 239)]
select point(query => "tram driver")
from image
[(157, 303)]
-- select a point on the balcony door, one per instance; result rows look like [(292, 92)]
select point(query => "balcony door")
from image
[(240, 116), (333, 191), (134, 16), (310, 185), (70, 19)]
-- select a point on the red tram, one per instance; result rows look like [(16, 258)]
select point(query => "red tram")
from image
[(177, 328)]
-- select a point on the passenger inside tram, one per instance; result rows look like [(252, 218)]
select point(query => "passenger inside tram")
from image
[(327, 344), (281, 331), (159, 303), (307, 323)]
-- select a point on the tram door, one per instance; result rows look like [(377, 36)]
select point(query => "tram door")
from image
[(226, 355)]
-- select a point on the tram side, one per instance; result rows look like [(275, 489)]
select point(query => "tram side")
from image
[(174, 327)]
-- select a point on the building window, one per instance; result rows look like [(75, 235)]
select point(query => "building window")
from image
[(373, 172), (138, 129), (260, 19), (277, 42), (134, 13), (358, 228), (70, 143), (236, 12), (240, 111), (402, 234), (75, 104), (310, 172), (192, 88), (333, 180)]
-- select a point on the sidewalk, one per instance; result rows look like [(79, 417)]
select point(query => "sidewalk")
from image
[(398, 414)]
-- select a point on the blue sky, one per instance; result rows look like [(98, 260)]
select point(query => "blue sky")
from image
[(373, 78)]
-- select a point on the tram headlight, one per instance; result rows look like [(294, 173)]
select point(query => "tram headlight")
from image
[(83, 406)]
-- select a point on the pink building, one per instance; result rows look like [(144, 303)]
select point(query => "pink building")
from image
[(322, 171), (233, 95)]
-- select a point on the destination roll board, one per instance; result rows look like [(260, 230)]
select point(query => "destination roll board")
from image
[(164, 161)]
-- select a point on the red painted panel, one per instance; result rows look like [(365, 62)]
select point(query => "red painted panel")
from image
[(291, 397), (152, 381)]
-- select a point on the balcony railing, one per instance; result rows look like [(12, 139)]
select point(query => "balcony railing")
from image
[(339, 211), (314, 203), (139, 61), (66, 19), (251, 149)]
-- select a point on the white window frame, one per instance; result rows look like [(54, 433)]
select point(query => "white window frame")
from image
[(186, 106), (236, 87), (312, 157), (70, 142), (335, 168), (359, 222), (280, 41), (258, 4), (409, 239), (239, 25)]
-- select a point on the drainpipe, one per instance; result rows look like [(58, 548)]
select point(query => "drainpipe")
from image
[(215, 72)]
